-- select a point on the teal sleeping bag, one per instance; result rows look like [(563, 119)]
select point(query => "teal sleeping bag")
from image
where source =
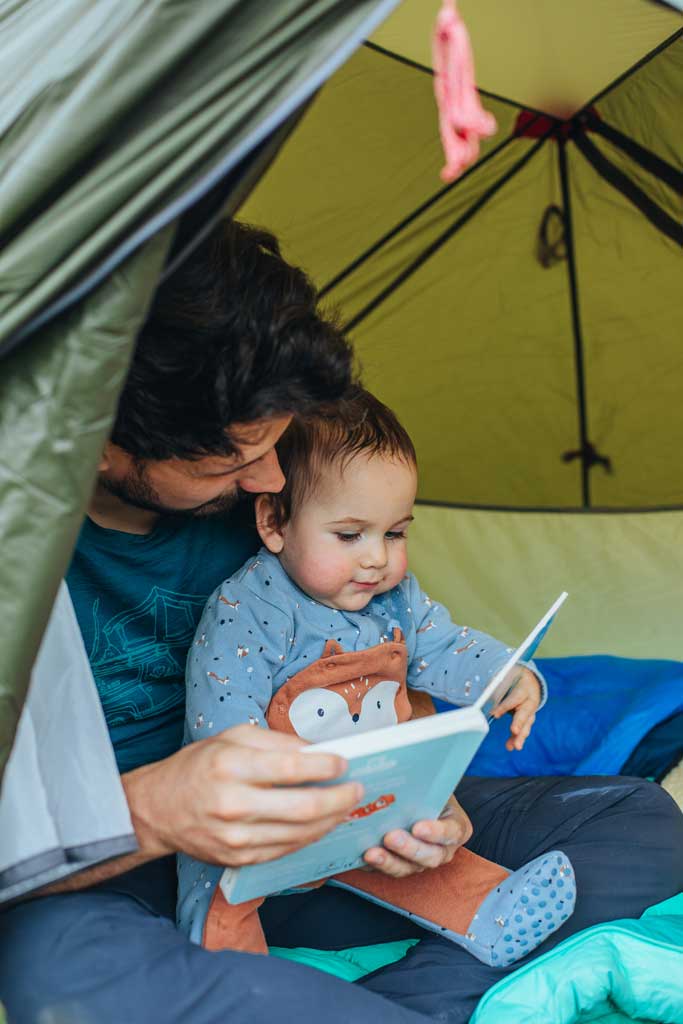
[(609, 974)]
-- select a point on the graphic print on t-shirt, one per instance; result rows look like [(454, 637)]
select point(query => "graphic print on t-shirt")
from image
[(140, 647)]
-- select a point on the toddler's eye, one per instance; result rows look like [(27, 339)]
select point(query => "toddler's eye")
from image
[(348, 538), (395, 534)]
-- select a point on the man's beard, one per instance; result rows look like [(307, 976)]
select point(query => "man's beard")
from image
[(136, 490)]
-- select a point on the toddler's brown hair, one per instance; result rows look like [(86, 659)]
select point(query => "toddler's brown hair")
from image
[(334, 435)]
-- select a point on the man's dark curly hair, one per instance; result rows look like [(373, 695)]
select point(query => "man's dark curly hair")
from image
[(233, 336)]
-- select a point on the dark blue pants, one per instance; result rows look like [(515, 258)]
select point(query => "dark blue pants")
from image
[(111, 955)]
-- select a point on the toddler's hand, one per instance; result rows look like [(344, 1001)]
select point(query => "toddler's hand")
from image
[(522, 702), (429, 844)]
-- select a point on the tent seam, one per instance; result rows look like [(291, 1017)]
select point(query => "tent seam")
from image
[(550, 509), (664, 45), (411, 217), (445, 236), (576, 323), (417, 66)]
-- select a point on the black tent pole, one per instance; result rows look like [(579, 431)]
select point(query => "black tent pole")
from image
[(576, 325)]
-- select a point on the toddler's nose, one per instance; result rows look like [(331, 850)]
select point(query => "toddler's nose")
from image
[(376, 556)]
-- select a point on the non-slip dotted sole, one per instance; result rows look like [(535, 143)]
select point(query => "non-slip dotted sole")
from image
[(525, 909)]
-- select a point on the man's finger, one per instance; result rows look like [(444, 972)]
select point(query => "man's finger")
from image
[(238, 842), (261, 764), (308, 804), (259, 738)]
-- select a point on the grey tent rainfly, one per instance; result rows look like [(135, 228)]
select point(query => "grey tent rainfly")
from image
[(116, 120)]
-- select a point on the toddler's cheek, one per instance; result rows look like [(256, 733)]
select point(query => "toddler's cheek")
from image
[(400, 565), (326, 576)]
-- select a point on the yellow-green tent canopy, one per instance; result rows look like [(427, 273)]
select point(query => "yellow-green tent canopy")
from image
[(525, 321)]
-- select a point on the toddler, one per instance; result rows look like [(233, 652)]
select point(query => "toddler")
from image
[(324, 633)]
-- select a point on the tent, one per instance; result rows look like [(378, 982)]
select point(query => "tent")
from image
[(525, 321), (542, 398), (125, 128)]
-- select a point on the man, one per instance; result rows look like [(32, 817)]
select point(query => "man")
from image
[(232, 347)]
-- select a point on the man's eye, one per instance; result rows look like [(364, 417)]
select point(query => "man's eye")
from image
[(348, 538), (395, 535)]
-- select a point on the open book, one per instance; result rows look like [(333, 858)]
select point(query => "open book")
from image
[(408, 772)]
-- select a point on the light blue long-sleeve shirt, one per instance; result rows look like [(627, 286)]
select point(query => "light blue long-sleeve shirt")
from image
[(259, 629)]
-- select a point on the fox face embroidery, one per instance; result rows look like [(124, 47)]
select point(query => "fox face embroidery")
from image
[(322, 714), (344, 693)]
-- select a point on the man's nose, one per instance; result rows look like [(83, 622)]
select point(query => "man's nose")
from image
[(265, 476)]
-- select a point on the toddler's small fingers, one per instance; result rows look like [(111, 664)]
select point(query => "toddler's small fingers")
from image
[(389, 864), (524, 733)]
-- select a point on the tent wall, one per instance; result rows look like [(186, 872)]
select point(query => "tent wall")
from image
[(476, 343), (57, 400), (116, 119), (457, 322), (119, 117), (541, 54), (501, 570)]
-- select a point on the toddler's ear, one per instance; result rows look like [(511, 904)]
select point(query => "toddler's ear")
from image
[(267, 523)]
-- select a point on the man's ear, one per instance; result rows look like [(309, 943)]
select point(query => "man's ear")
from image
[(270, 533), (106, 458)]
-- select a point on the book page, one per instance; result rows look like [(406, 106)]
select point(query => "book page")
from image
[(507, 677)]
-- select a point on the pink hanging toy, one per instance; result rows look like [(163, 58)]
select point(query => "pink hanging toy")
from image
[(462, 119)]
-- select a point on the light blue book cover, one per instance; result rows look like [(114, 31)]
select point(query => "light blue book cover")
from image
[(408, 772), (404, 781)]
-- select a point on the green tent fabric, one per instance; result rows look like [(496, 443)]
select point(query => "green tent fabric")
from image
[(524, 321), (116, 119), (516, 301)]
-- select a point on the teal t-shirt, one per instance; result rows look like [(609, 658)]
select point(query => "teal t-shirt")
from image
[(138, 600)]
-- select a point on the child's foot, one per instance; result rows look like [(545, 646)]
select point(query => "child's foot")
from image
[(522, 911), (518, 913)]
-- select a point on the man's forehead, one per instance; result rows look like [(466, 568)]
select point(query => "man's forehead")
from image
[(250, 439)]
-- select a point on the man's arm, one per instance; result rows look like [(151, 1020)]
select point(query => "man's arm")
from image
[(234, 799)]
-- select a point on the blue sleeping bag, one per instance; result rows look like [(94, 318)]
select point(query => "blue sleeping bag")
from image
[(599, 710)]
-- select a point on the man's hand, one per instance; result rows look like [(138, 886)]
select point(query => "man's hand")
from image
[(522, 702), (429, 844), (229, 799)]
